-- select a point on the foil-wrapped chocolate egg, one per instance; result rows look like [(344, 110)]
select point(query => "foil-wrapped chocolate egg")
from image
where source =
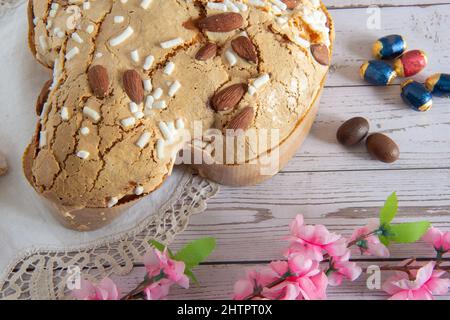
[(439, 84), (389, 47), (377, 72), (416, 96)]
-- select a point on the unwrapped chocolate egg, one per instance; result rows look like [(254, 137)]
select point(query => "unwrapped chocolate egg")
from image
[(389, 47), (377, 72), (416, 96), (439, 84), (410, 63), (382, 148), (353, 131)]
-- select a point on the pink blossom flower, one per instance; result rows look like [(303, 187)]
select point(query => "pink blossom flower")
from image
[(438, 239), (342, 268), (297, 266), (313, 241), (159, 265), (303, 276), (313, 288), (370, 245), (283, 291), (427, 282), (157, 291), (254, 282), (105, 290)]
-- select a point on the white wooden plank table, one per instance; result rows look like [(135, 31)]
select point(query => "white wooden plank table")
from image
[(340, 188)]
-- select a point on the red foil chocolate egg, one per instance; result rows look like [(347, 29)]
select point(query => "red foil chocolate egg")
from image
[(410, 63)]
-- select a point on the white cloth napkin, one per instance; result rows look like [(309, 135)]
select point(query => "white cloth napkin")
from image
[(25, 223)]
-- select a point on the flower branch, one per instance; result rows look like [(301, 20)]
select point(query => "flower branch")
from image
[(317, 258)]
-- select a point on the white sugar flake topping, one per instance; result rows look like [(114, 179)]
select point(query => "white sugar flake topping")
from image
[(144, 140), (72, 53), (112, 202), (146, 3), (127, 33), (139, 190), (92, 114), (82, 154), (128, 122), (174, 88), (172, 43)]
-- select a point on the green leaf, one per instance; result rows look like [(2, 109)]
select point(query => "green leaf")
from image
[(191, 275), (196, 252), (384, 240), (157, 245), (389, 210), (408, 232), (161, 247)]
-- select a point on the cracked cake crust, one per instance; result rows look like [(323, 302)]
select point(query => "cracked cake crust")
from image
[(84, 157)]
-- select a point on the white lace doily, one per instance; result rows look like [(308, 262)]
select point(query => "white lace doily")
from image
[(42, 274), (41, 271)]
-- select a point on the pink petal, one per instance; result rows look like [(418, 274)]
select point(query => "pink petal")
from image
[(390, 287), (299, 264), (424, 274), (335, 279), (321, 283), (183, 282), (292, 291), (314, 288), (307, 233), (378, 249), (337, 248), (371, 226), (266, 276), (150, 258), (446, 242), (175, 271), (157, 291), (322, 235), (110, 288), (280, 267), (314, 253), (421, 294), (358, 233), (438, 286), (401, 295), (282, 291), (351, 271), (314, 270), (299, 220), (86, 291), (101, 294), (345, 257), (296, 224), (179, 267), (242, 289), (308, 250), (433, 237)]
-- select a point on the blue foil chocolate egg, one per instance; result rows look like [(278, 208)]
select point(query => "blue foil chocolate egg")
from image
[(416, 96), (439, 84), (389, 47), (378, 73)]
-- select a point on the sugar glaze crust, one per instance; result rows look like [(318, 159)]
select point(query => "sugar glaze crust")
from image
[(92, 152)]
